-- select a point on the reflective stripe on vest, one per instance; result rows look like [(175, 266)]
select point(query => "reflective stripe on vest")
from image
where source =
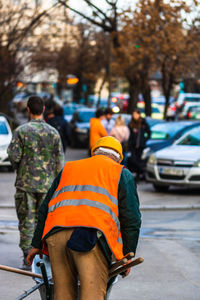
[(84, 188), (75, 202)]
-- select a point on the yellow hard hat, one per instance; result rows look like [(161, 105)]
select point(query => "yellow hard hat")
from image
[(109, 142)]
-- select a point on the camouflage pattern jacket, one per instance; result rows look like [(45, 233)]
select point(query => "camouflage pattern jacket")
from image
[(36, 154)]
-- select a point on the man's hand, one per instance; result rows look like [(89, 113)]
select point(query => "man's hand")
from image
[(126, 273), (32, 253)]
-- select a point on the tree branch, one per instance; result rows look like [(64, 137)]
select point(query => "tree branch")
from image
[(102, 25)]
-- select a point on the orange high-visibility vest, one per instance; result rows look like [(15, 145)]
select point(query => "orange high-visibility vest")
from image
[(87, 196)]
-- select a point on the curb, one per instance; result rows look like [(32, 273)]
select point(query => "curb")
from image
[(169, 207), (145, 207)]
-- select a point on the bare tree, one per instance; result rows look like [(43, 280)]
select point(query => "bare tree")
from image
[(106, 20), (17, 24)]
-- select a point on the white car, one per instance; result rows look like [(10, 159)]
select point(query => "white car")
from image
[(5, 139), (178, 164)]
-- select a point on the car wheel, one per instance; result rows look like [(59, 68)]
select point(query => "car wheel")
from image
[(161, 188)]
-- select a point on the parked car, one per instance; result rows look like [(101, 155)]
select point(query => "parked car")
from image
[(79, 127), (20, 100), (69, 110), (151, 122), (178, 164), (185, 99), (5, 139), (193, 112), (165, 134), (156, 110)]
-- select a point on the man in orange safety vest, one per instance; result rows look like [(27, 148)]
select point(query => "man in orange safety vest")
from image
[(90, 214)]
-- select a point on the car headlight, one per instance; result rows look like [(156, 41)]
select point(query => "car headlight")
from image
[(116, 109), (146, 153), (3, 147), (152, 160), (197, 163)]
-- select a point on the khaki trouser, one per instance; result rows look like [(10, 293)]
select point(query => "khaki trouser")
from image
[(67, 266)]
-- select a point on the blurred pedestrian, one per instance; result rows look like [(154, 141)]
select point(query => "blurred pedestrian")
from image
[(90, 215), (36, 154), (49, 109), (108, 122), (139, 134), (96, 128), (58, 121), (121, 132)]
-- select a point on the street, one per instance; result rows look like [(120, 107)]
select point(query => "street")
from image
[(169, 243)]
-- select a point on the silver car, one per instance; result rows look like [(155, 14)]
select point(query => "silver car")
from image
[(178, 164)]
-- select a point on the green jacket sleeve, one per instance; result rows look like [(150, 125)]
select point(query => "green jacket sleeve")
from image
[(129, 212), (15, 149), (43, 211)]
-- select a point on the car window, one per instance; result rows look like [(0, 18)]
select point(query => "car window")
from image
[(155, 110), (192, 99), (85, 116), (191, 139), (165, 131), (3, 128), (195, 109)]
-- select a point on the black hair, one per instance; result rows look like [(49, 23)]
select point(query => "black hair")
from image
[(108, 111), (58, 111), (100, 112), (35, 105)]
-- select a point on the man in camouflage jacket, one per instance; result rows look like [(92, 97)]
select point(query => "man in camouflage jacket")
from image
[(36, 154)]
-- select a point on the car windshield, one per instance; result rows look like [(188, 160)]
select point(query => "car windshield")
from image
[(85, 116), (191, 139), (3, 128), (165, 131)]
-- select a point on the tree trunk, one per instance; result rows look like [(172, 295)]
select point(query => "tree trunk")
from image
[(167, 86), (133, 96), (100, 90), (5, 99), (146, 93)]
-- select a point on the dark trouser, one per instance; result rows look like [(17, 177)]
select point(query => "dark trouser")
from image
[(135, 163), (27, 207)]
